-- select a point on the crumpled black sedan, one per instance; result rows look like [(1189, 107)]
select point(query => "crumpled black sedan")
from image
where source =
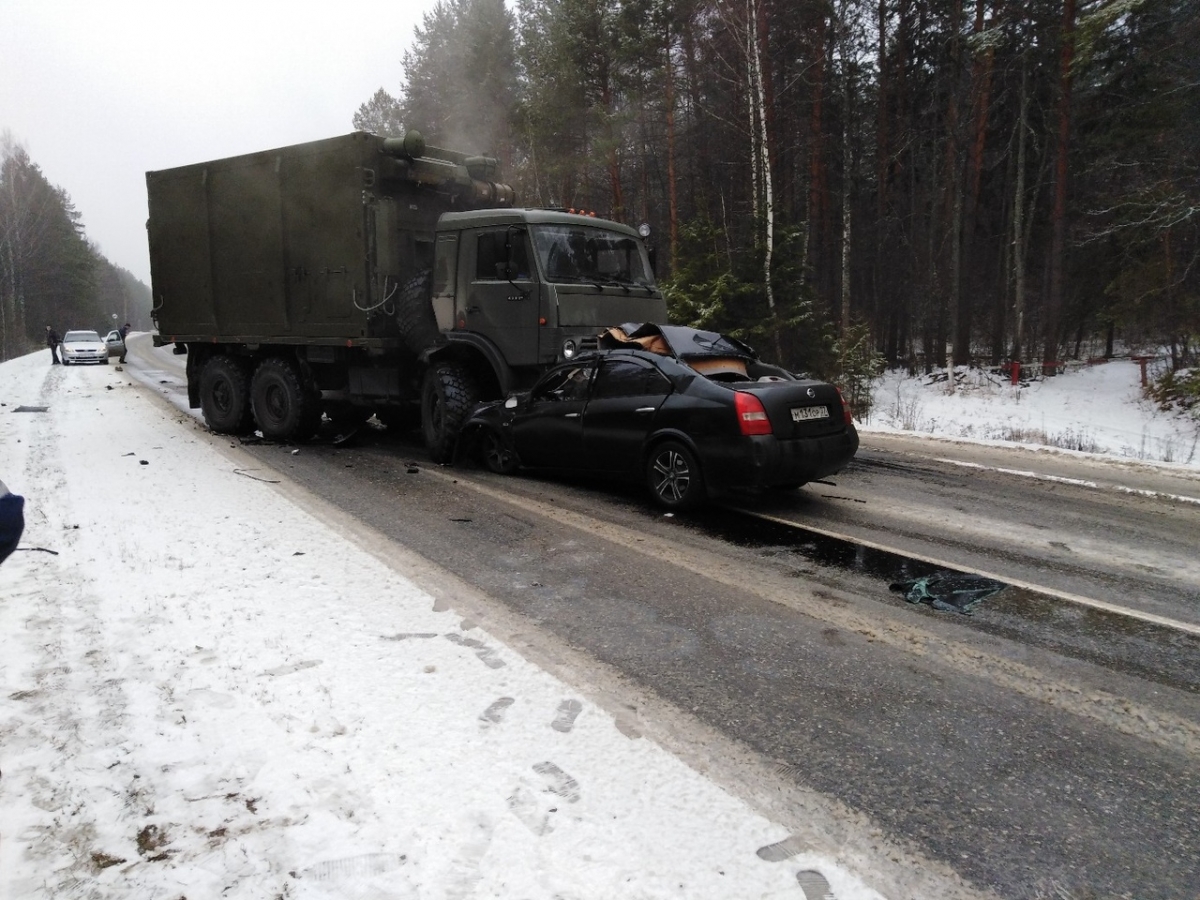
[(694, 416)]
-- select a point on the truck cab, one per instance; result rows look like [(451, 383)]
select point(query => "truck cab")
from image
[(538, 285), (517, 290)]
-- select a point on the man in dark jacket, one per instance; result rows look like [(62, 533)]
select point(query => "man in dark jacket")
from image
[(52, 341), (124, 332)]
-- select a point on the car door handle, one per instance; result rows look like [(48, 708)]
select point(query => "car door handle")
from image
[(641, 410), (570, 415)]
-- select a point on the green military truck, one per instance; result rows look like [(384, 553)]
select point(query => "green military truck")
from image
[(365, 275)]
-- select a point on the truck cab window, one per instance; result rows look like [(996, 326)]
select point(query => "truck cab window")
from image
[(591, 255), (492, 256)]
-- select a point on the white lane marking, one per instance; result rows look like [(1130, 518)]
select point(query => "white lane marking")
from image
[(1187, 627), (1075, 481)]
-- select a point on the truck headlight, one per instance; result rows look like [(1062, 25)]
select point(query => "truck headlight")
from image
[(569, 349)]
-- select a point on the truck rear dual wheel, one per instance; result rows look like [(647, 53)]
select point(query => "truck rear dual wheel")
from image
[(448, 395), (285, 407), (225, 395)]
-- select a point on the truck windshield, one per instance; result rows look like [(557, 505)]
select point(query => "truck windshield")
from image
[(583, 255)]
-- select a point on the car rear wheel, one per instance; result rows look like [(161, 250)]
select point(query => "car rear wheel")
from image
[(498, 457), (285, 407), (225, 396), (673, 475)]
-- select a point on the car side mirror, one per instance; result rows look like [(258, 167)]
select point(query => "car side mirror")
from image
[(510, 403)]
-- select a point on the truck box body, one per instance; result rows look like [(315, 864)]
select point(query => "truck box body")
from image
[(280, 246)]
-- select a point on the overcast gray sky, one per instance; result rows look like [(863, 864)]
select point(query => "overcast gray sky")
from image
[(101, 91)]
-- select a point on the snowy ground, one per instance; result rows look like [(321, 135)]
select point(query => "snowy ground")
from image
[(205, 691), (1095, 409)]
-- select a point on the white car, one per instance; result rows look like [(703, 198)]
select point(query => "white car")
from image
[(82, 347)]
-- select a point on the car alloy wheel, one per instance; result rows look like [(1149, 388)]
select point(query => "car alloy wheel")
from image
[(497, 456), (674, 476)]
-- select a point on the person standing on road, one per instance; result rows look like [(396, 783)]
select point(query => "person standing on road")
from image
[(124, 332), (52, 341)]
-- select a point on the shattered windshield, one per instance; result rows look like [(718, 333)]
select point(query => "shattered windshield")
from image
[(581, 255)]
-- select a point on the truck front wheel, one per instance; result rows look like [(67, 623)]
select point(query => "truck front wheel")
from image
[(447, 397), (225, 395), (285, 407)]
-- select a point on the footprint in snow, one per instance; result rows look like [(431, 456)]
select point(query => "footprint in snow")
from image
[(558, 781), (815, 886), (352, 868), (482, 650), (535, 810), (781, 850), (568, 710), (494, 714)]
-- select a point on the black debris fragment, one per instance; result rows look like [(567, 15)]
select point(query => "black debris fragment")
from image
[(949, 591)]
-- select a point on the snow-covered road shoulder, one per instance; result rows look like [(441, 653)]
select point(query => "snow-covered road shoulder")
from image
[(205, 691)]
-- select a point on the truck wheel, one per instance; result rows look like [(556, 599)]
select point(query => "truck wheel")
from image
[(225, 396), (414, 314), (448, 395), (285, 408)]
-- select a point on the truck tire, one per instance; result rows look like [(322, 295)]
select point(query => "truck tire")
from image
[(448, 395), (414, 314), (285, 407), (225, 396)]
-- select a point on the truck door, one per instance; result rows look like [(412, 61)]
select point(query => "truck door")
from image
[(502, 305)]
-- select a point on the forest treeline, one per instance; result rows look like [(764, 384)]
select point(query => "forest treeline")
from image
[(50, 273), (847, 182)]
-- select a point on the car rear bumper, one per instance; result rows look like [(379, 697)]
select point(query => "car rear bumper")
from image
[(764, 461)]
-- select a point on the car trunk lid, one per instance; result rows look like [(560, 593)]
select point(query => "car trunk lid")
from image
[(799, 409)]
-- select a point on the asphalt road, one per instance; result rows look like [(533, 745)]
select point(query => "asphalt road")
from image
[(1042, 747)]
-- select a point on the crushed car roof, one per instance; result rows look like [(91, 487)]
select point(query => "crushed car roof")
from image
[(674, 340)]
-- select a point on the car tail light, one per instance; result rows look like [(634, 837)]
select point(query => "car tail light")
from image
[(752, 416), (846, 414)]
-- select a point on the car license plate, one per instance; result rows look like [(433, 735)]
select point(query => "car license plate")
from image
[(804, 413)]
